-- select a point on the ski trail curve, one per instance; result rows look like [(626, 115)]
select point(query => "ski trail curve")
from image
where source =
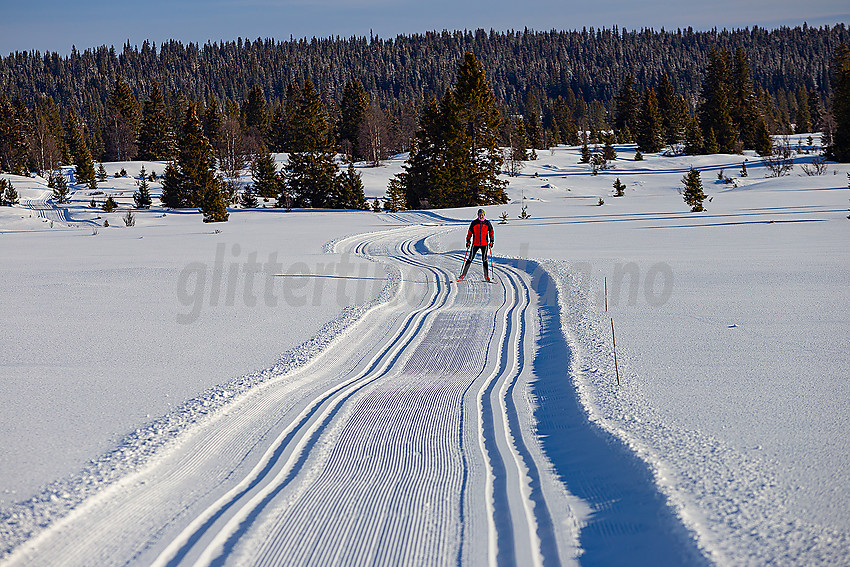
[(45, 208), (411, 439)]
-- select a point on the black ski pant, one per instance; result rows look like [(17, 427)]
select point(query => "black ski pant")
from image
[(473, 252)]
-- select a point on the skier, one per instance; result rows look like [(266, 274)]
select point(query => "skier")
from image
[(481, 234)]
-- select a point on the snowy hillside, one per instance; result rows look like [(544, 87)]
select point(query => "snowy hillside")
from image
[(313, 387)]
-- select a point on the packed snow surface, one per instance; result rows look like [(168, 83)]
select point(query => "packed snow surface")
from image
[(313, 387)]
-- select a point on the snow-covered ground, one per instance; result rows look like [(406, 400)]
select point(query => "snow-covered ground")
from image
[(309, 385)]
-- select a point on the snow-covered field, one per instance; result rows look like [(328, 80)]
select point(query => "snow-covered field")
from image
[(313, 387)]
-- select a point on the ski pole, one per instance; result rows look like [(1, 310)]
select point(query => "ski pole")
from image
[(465, 258), (490, 252)]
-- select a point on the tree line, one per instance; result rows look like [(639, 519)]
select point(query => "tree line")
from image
[(507, 94), (584, 67)]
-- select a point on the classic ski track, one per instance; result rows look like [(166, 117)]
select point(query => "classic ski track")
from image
[(132, 519), (310, 425), (46, 209)]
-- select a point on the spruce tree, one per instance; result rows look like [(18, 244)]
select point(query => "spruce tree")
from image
[(420, 176), (532, 123), (212, 120), (61, 193), (352, 189), (8, 193), (803, 119), (693, 191), (122, 123), (278, 129), (267, 184), (248, 199), (13, 143), (214, 205), (839, 102), (517, 146), (311, 178), (396, 199), (650, 130), (564, 123), (619, 188), (109, 205), (763, 143), (457, 159), (694, 141), (142, 197), (585, 153), (156, 140), (79, 149), (711, 146), (353, 107), (196, 160), (715, 111), (283, 128), (608, 151), (673, 111), (173, 195), (815, 110), (254, 111), (743, 100), (627, 105), (311, 173)]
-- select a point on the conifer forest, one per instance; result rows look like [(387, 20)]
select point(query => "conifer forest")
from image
[(368, 98)]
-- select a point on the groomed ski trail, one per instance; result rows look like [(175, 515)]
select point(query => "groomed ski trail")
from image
[(46, 209), (410, 440)]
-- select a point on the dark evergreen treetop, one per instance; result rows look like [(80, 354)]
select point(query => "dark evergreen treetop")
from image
[(715, 113), (457, 159), (627, 104), (353, 108), (156, 140), (122, 122)]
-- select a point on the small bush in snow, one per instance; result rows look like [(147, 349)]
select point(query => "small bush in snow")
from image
[(779, 162), (817, 167), (619, 188)]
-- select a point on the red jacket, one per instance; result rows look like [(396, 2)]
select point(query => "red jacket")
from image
[(480, 232)]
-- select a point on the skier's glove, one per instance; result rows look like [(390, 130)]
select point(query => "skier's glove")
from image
[(467, 245)]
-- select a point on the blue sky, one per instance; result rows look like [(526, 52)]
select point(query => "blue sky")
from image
[(54, 25)]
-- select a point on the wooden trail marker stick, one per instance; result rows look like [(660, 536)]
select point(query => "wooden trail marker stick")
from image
[(614, 339), (606, 294)]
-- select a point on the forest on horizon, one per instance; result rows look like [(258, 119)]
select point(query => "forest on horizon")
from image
[(586, 67)]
